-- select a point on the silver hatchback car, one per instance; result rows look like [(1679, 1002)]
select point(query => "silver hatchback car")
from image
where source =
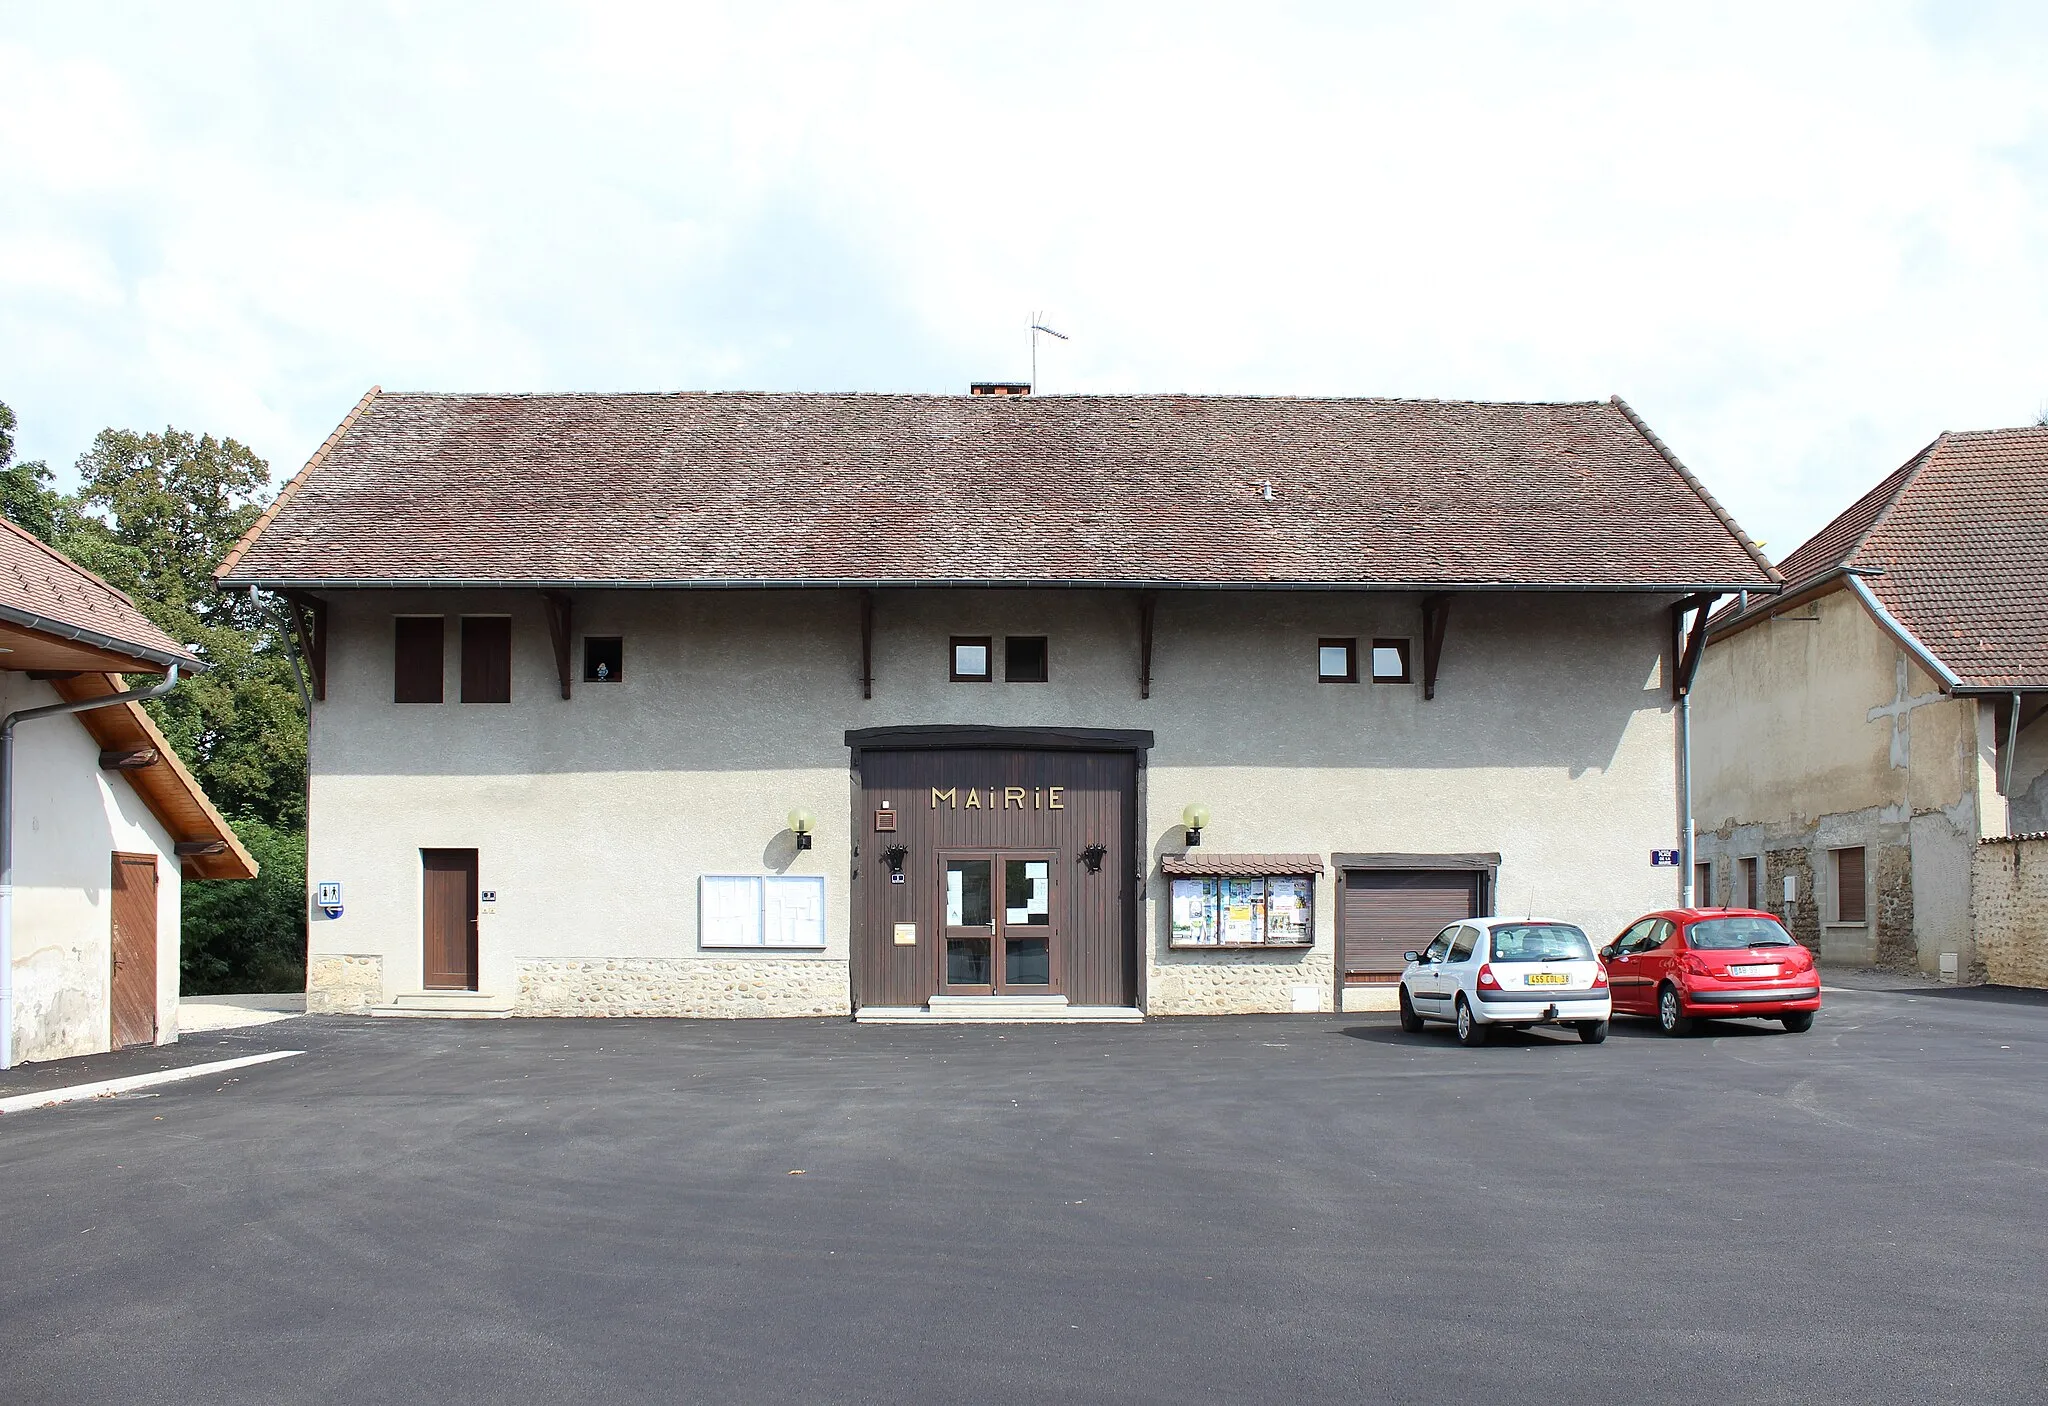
[(1485, 972)]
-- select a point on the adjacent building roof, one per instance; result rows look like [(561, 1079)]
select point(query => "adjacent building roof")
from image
[(71, 614), (1953, 548), (1168, 490)]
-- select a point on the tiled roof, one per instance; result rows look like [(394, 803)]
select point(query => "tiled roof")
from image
[(874, 489), (44, 590), (1954, 546), (1197, 864)]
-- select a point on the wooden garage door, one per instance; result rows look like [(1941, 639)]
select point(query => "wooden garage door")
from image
[(1387, 912)]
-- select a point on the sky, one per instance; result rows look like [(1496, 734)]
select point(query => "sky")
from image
[(1801, 239)]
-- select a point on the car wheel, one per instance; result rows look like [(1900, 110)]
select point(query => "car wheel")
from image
[(1592, 1031), (1669, 1018), (1799, 1022), (1410, 1021), (1470, 1030)]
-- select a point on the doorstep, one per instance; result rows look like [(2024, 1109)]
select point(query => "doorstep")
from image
[(446, 1005), (998, 1010)]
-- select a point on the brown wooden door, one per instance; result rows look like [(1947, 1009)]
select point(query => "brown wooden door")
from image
[(1072, 811), (1387, 912), (133, 979), (448, 919)]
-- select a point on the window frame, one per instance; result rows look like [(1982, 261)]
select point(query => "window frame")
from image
[(1349, 644), (1044, 659), (1401, 646), (588, 675), (955, 643), (1840, 916)]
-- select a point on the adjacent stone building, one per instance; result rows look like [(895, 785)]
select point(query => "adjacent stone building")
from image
[(918, 706), (1858, 735), (101, 820)]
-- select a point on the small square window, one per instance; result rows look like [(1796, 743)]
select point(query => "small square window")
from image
[(971, 658), (1337, 661), (1390, 661), (604, 658), (1024, 659)]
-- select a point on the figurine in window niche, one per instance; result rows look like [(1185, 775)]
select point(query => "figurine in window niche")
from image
[(604, 671)]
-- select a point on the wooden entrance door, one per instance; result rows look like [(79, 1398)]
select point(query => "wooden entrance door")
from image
[(999, 925), (448, 919), (133, 977)]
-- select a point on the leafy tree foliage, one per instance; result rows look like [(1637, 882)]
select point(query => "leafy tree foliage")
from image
[(153, 515)]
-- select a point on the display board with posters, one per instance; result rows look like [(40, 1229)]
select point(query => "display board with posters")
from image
[(1271, 911)]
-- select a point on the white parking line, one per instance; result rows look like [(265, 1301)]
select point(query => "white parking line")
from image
[(105, 1087)]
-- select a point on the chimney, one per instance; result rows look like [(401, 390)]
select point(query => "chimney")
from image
[(1000, 388)]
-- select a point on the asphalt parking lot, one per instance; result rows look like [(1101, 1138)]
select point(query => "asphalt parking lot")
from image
[(1265, 1209)]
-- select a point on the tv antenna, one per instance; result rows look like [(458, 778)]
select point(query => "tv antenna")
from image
[(1038, 326)]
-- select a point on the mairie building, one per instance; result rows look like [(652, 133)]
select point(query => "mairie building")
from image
[(930, 706)]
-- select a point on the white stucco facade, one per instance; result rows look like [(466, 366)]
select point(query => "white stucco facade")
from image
[(1550, 741), (70, 819)]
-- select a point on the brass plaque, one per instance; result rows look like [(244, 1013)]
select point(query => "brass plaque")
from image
[(906, 934)]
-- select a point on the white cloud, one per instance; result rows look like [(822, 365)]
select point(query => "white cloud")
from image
[(1800, 238)]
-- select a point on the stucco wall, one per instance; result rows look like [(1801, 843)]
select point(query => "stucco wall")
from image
[(2011, 904), (69, 820), (1814, 732), (1550, 741)]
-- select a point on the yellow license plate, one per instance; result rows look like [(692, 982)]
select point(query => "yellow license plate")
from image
[(1547, 978)]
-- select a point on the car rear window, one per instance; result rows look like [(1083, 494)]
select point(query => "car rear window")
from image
[(1540, 942), (1724, 934)]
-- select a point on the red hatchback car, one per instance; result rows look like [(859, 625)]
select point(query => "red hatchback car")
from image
[(1687, 964)]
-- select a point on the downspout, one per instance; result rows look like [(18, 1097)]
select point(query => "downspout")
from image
[(1685, 842), (52, 710), (2012, 745)]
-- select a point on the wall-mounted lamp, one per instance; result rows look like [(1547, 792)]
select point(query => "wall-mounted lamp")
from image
[(1092, 857), (1194, 817), (894, 856), (801, 823)]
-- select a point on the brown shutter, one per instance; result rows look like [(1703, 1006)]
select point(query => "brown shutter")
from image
[(486, 659), (1749, 895), (1388, 912), (1703, 885), (1849, 874), (416, 665)]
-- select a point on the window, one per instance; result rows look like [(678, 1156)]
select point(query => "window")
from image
[(1337, 661), (755, 910), (416, 659), (1272, 911), (1541, 942), (486, 659), (604, 659), (1390, 661), (1849, 879), (1637, 938), (1435, 951), (1024, 659), (1462, 945), (1747, 893), (971, 658), (1703, 885)]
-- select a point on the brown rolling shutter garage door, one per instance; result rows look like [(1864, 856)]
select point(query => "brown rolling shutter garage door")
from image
[(1387, 912)]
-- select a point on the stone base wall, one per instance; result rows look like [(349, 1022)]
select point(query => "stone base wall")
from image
[(342, 985), (1239, 983), (668, 986), (2009, 909)]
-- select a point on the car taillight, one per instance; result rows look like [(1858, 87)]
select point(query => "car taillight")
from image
[(1599, 978), (1487, 980)]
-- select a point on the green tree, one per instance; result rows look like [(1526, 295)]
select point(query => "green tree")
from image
[(26, 498)]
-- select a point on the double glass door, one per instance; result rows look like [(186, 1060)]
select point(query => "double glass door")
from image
[(996, 910)]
